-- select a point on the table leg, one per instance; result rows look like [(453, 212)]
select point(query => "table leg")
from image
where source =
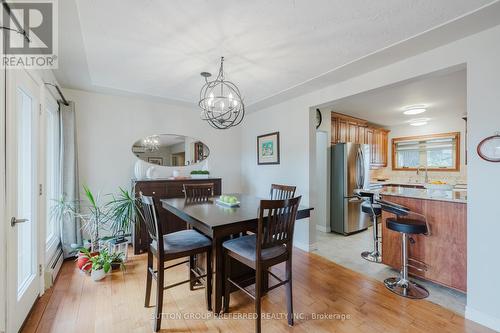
[(219, 274)]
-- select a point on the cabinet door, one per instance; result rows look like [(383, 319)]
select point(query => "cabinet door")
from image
[(342, 131), (352, 132), (369, 139), (378, 147), (361, 135), (385, 148), (335, 130)]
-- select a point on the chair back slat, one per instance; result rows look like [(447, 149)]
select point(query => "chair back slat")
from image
[(151, 218), (282, 192), (198, 192), (276, 223)]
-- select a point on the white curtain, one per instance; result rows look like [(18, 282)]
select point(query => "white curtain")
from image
[(71, 232)]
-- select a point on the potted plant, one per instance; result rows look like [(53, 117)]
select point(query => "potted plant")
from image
[(95, 214), (200, 174), (83, 259), (122, 209), (92, 212), (101, 264)]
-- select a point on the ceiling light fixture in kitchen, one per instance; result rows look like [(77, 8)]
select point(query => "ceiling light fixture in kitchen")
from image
[(415, 109)]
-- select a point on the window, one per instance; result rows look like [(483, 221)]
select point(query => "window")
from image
[(52, 176), (435, 152)]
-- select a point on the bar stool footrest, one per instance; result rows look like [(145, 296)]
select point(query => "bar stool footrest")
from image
[(408, 289)]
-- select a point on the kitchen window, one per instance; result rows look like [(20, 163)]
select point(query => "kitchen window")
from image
[(437, 152)]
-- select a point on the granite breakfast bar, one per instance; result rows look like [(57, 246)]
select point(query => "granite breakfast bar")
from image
[(444, 250)]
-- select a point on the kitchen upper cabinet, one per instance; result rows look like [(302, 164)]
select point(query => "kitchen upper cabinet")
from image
[(379, 145), (350, 129)]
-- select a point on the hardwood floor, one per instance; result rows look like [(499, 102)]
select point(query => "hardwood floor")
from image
[(77, 304)]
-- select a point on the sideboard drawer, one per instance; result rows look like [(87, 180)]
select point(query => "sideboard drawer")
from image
[(157, 190)]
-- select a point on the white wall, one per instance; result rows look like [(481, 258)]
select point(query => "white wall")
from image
[(481, 53), (108, 125), (294, 153)]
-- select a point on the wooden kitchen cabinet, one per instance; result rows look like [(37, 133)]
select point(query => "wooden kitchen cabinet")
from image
[(355, 130), (379, 145)]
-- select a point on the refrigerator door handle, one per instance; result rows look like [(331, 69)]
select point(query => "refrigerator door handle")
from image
[(359, 169), (363, 171)]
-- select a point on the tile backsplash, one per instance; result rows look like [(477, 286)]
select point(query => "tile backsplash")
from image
[(459, 177)]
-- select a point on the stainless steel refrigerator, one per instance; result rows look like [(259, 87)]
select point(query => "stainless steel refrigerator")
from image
[(350, 164)]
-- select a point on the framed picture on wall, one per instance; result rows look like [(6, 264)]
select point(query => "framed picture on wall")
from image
[(268, 148), (155, 160)]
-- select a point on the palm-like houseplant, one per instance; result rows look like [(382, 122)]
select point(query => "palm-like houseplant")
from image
[(96, 215), (91, 211), (123, 209)]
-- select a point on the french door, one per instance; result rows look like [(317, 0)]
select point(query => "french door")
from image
[(22, 115)]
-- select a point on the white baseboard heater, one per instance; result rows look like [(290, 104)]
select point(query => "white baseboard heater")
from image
[(53, 267)]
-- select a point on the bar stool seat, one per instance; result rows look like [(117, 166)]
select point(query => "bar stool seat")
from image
[(407, 225), (365, 208)]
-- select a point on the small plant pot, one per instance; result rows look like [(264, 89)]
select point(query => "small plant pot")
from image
[(98, 274), (196, 176), (116, 265), (83, 263)]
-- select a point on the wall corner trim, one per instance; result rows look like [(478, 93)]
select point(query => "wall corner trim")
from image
[(482, 318), (304, 247)]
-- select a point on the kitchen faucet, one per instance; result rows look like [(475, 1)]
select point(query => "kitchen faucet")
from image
[(426, 173)]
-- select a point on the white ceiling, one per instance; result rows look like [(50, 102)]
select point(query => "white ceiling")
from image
[(444, 95), (158, 48)]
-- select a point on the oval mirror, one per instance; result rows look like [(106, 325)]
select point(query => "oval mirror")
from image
[(170, 150)]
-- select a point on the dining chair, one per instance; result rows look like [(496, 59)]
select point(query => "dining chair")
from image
[(167, 247), (282, 192), (198, 192), (194, 194), (271, 245)]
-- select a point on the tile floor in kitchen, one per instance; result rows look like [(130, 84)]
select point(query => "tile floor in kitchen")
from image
[(346, 251)]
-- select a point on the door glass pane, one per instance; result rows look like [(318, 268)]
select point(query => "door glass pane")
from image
[(26, 239)]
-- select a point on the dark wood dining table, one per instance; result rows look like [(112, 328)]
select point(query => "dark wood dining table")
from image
[(220, 223)]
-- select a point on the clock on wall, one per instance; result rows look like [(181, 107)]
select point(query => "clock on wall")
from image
[(319, 118), (489, 148)]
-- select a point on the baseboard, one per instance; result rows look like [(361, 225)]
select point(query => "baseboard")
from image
[(482, 318), (305, 247), (53, 268), (323, 228)]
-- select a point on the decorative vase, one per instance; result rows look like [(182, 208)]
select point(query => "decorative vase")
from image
[(98, 274), (139, 169)]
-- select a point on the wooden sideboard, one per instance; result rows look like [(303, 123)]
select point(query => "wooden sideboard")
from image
[(355, 130), (444, 250), (164, 189)]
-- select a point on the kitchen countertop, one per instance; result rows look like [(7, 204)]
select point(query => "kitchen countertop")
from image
[(425, 194)]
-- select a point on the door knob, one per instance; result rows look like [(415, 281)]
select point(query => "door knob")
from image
[(14, 221)]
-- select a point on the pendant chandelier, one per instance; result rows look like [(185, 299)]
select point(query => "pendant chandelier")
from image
[(152, 143), (220, 101)]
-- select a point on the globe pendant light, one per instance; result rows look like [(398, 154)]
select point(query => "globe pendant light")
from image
[(220, 101)]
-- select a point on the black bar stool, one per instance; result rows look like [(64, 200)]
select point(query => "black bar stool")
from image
[(375, 211), (405, 225)]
